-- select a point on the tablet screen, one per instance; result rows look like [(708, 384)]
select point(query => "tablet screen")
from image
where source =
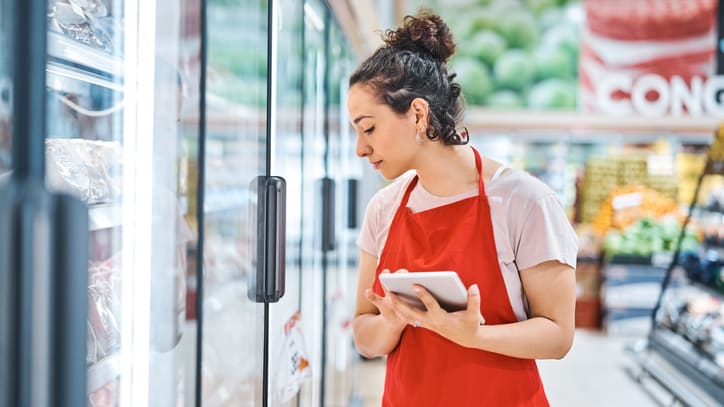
[(445, 286)]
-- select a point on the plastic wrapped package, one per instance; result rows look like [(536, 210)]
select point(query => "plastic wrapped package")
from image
[(103, 310), (91, 170), (106, 396), (86, 21)]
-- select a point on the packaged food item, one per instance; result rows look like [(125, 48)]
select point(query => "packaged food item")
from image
[(88, 169)]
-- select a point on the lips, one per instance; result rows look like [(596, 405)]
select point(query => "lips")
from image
[(376, 164)]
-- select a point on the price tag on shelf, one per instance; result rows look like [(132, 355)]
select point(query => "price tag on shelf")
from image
[(626, 201)]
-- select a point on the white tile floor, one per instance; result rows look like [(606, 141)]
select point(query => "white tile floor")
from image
[(594, 373)]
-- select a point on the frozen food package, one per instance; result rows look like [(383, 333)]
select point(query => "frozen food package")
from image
[(104, 310), (106, 396), (102, 320), (89, 169), (81, 20)]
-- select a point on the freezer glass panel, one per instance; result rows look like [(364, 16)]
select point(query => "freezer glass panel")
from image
[(313, 170), (342, 271), (233, 330), (289, 364), (117, 89)]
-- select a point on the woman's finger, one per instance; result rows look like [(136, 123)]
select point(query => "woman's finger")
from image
[(474, 302), (431, 304)]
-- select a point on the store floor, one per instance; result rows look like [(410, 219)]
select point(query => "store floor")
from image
[(594, 373)]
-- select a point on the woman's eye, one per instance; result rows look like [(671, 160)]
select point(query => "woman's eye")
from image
[(368, 131)]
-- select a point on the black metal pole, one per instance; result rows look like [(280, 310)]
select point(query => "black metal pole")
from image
[(269, 100), (200, 192), (677, 251), (29, 122), (327, 215)]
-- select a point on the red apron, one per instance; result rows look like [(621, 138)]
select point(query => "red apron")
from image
[(426, 369)]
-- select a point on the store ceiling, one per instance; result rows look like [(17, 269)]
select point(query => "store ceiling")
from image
[(364, 20)]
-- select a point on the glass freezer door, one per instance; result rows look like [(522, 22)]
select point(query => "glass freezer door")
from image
[(233, 337), (117, 87)]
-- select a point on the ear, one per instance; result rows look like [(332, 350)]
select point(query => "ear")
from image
[(420, 109)]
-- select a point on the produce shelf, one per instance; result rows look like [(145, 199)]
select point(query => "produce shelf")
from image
[(581, 125), (692, 364), (651, 365)]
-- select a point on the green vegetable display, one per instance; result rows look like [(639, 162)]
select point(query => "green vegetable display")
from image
[(475, 77), (528, 49), (648, 236)]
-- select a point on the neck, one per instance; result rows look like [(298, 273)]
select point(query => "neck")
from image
[(447, 170)]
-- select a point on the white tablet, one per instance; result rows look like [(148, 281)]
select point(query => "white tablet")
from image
[(445, 286)]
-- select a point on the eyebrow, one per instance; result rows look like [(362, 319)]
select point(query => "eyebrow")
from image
[(355, 121)]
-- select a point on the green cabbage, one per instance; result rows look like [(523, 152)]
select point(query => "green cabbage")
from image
[(514, 70), (474, 78)]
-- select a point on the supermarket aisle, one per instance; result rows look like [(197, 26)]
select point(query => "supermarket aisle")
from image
[(593, 374)]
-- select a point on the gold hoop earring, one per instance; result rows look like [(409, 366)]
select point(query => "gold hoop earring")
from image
[(419, 138)]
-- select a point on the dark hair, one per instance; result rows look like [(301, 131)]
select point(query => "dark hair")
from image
[(413, 63)]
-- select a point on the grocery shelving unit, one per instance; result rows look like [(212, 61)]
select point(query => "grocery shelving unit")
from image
[(684, 353)]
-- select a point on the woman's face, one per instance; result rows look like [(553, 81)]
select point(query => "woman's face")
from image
[(384, 137)]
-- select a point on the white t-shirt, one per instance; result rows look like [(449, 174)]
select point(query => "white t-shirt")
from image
[(529, 224)]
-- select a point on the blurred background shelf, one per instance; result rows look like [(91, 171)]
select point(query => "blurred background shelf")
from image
[(577, 124)]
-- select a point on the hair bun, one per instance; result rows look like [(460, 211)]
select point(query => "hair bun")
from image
[(425, 32)]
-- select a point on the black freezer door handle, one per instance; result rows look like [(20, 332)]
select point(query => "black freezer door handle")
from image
[(328, 188), (267, 217)]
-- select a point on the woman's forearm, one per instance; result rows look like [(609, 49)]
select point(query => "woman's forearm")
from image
[(374, 336), (535, 338)]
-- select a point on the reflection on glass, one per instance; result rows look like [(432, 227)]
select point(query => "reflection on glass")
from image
[(235, 154), (286, 145)]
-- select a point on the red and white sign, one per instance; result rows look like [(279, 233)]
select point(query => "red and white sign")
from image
[(651, 58)]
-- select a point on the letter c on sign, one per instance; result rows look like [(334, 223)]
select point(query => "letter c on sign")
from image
[(606, 87)]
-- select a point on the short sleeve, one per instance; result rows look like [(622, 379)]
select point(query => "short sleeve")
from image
[(366, 240), (546, 234)]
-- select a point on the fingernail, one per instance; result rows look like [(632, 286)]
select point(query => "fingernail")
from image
[(474, 289)]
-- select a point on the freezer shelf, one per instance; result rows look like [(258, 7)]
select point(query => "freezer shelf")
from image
[(104, 216), (103, 372), (66, 51), (701, 371)]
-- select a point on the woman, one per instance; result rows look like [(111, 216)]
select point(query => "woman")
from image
[(503, 231)]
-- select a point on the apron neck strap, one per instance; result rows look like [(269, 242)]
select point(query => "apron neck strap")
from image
[(478, 166)]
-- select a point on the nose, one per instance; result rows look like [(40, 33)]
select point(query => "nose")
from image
[(363, 149)]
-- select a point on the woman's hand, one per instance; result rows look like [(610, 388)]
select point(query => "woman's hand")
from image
[(460, 327), (385, 303), (377, 328)]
